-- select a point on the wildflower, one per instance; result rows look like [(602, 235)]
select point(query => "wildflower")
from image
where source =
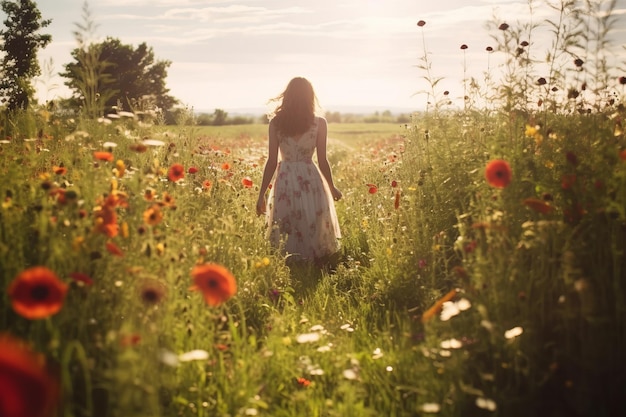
[(37, 293), (81, 278), (105, 220), (421, 23), (153, 215), (114, 249), (194, 355), (452, 308), (138, 147), (225, 166), (103, 156), (215, 282), (176, 172), (192, 170), (489, 49), (308, 337), (503, 26), (130, 340), (537, 205), (206, 184), (59, 170), (428, 314), (498, 173), (486, 404), (373, 189), (396, 203), (303, 382), (513, 333), (463, 47), (394, 184), (541, 81), (120, 168), (246, 182), (578, 62), (27, 389), (524, 44), (151, 291), (167, 200), (622, 155)]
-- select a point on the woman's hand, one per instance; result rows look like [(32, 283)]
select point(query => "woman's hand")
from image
[(260, 205), (336, 193)]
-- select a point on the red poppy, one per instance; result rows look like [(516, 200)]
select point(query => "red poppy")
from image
[(538, 205), (246, 182), (215, 282), (498, 173), (394, 183), (26, 388), (114, 249), (103, 156), (37, 293), (80, 277), (373, 189), (176, 172), (192, 170)]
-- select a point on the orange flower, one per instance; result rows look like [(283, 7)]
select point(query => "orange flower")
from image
[(149, 194), (192, 170), (114, 249), (103, 156), (167, 200), (26, 389), (106, 221), (176, 172), (215, 282), (225, 166), (153, 215), (538, 205), (37, 293), (246, 182), (430, 313), (59, 170), (303, 382), (206, 184), (498, 173)]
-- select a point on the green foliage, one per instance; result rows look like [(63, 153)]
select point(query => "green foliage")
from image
[(21, 42), (111, 75)]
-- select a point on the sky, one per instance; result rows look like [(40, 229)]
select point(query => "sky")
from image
[(238, 54)]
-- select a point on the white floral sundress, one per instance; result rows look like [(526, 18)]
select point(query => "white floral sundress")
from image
[(302, 217)]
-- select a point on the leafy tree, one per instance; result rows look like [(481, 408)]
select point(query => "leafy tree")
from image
[(130, 74), (21, 41)]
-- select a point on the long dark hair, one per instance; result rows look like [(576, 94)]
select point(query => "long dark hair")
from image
[(296, 111)]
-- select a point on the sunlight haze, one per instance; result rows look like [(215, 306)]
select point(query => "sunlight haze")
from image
[(239, 54)]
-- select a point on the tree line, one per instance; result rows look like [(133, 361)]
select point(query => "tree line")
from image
[(107, 76)]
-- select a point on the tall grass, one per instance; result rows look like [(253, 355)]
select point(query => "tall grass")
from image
[(450, 296)]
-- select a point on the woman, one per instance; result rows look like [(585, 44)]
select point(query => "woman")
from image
[(301, 217)]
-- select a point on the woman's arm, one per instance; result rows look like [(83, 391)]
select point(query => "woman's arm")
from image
[(322, 159), (270, 168)]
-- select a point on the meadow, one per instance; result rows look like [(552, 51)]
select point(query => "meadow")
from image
[(482, 268)]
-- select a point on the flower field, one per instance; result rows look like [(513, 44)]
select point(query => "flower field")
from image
[(482, 269)]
